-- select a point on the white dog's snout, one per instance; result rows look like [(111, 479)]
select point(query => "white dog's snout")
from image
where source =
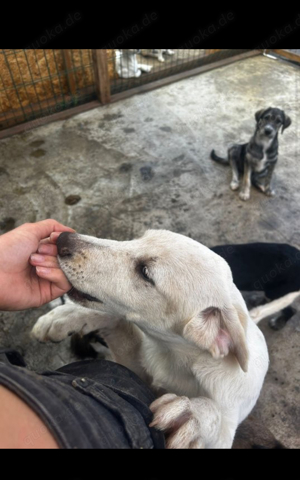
[(66, 244)]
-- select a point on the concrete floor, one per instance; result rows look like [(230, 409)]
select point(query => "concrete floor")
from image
[(144, 163)]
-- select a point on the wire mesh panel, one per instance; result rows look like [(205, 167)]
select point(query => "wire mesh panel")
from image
[(36, 82), (134, 67)]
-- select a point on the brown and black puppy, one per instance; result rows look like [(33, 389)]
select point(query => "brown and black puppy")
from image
[(256, 160)]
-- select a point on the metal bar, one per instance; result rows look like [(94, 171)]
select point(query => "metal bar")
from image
[(14, 84), (22, 80), (289, 55), (75, 69), (38, 65), (101, 75), (84, 75), (5, 119), (49, 73), (60, 74), (32, 79)]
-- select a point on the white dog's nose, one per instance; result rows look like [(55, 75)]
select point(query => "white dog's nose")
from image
[(66, 244)]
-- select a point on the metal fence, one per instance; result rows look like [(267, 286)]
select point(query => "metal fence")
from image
[(36, 84), (133, 68)]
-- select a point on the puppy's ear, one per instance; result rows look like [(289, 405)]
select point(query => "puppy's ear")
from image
[(220, 331), (286, 122), (259, 114)]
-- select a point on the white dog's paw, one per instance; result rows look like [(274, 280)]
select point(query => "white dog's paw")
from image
[(174, 415), (63, 321), (57, 324), (244, 195)]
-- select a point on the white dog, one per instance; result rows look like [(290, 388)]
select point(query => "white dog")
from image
[(157, 53), (127, 65), (168, 309)]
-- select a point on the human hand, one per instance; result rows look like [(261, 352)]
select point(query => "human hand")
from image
[(29, 272)]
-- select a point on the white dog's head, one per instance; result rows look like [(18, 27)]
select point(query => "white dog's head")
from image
[(165, 280)]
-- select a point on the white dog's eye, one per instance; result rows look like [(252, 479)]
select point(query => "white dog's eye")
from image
[(145, 272)]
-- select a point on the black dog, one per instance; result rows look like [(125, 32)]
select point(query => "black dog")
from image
[(273, 268), (256, 160)]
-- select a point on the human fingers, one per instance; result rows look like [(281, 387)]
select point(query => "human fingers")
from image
[(56, 277), (44, 228), (47, 245), (47, 249), (37, 259), (52, 238), (45, 240)]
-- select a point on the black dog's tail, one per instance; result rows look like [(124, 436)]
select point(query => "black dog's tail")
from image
[(214, 156)]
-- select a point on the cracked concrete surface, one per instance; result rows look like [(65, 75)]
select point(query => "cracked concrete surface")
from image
[(144, 163)]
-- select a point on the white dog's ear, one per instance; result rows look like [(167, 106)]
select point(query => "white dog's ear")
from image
[(220, 331)]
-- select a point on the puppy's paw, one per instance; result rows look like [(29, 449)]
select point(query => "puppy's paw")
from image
[(260, 187), (55, 325), (234, 185), (244, 195), (270, 192), (174, 415)]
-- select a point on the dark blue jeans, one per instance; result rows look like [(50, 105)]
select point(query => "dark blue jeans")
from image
[(86, 404)]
